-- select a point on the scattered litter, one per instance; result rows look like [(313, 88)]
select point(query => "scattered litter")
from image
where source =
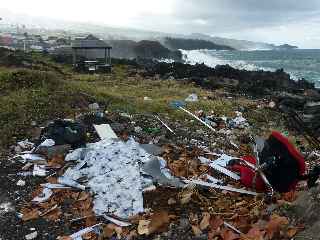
[(238, 122), (116, 221), (192, 98), (113, 170), (26, 144), (71, 183), (180, 105), (32, 236), (212, 185), (29, 157), (225, 171), (164, 124), (160, 174), (78, 235), (152, 149), (105, 131), (21, 183), (39, 170), (94, 106), (44, 196), (47, 143), (54, 186)]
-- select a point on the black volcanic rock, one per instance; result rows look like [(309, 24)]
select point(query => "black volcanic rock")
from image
[(286, 47), (193, 44), (252, 82)]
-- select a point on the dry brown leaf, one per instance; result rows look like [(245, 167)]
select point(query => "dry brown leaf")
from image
[(196, 230), (185, 197), (275, 224), (54, 215), (205, 222), (229, 235), (83, 196), (216, 223), (132, 235), (30, 215), (292, 232), (290, 196), (64, 238), (108, 230), (159, 222), (255, 233)]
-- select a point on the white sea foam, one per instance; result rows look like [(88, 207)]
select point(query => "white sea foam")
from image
[(211, 59)]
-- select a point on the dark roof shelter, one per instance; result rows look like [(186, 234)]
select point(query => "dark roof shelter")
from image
[(83, 47)]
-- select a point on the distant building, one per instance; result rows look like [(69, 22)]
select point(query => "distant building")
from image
[(91, 54)]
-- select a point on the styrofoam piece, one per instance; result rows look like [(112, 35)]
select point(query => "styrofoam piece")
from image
[(221, 187), (113, 170), (39, 170), (47, 143), (46, 194), (80, 233), (116, 221), (71, 183), (55, 186), (225, 171), (105, 131)]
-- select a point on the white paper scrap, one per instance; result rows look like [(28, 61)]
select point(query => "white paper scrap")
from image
[(105, 131)]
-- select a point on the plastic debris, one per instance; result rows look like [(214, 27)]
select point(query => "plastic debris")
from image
[(94, 106), (116, 221), (227, 188), (45, 195), (39, 170), (55, 186), (47, 143), (164, 124), (78, 235), (29, 157), (105, 131), (192, 98), (21, 183), (71, 183), (113, 170)]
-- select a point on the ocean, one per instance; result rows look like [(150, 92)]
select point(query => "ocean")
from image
[(299, 63)]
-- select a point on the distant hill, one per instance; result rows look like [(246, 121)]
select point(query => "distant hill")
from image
[(193, 44), (40, 25)]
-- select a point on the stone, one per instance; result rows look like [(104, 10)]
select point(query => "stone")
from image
[(31, 236)]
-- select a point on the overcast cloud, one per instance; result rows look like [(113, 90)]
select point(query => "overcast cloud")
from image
[(276, 21)]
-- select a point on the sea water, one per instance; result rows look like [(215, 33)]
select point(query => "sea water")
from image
[(299, 63)]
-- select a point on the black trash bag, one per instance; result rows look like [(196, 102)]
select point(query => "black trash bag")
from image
[(65, 132)]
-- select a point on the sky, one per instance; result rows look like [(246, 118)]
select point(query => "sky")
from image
[(274, 21)]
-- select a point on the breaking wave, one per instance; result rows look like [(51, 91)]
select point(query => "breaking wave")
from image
[(211, 58)]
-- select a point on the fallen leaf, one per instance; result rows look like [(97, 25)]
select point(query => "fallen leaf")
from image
[(159, 222), (290, 196), (216, 223), (30, 215), (205, 222), (132, 235), (196, 230), (64, 238), (255, 233), (186, 197), (229, 235), (292, 232), (143, 227), (83, 196), (274, 225), (109, 230)]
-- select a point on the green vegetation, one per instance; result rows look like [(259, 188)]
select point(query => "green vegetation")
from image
[(47, 91)]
